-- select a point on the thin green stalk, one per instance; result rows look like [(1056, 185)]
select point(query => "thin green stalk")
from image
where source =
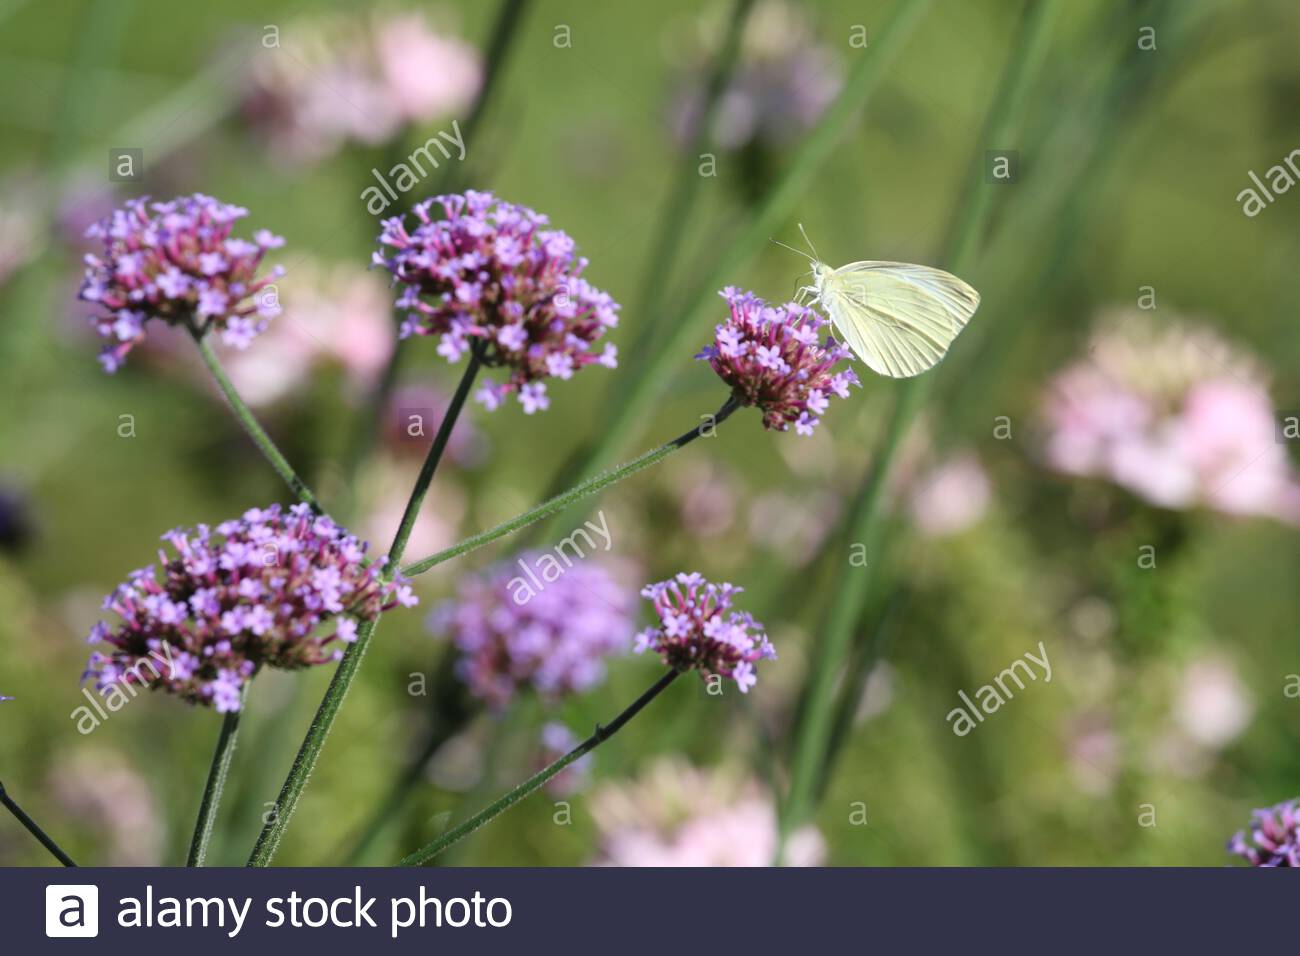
[(309, 751), (434, 457), (33, 828), (212, 790), (576, 493), (681, 202), (495, 809), (634, 398), (814, 731), (504, 31), (246, 418)]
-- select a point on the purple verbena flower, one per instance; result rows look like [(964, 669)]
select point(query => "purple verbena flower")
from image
[(1274, 837), (176, 261), (265, 589), (695, 630), (534, 622), (489, 272), (772, 358)]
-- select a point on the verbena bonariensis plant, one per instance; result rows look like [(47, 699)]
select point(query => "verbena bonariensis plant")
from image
[(293, 589), (1274, 838)]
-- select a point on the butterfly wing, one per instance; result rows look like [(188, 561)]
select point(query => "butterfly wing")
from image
[(899, 318)]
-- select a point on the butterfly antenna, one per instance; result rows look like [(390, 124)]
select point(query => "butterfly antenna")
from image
[(798, 252), (814, 257)]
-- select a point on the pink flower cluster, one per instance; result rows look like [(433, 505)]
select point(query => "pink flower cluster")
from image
[(535, 623), (361, 78), (176, 261), (267, 589), (1176, 416), (773, 357), (1274, 837), (675, 814), (695, 632), (489, 272)]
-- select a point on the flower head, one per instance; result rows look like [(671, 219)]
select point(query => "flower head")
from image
[(362, 78), (695, 630), (176, 261), (675, 814), (1274, 837), (772, 358), (532, 622), (267, 588), (490, 274), (1174, 414)]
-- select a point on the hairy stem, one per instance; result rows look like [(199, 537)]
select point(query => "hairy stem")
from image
[(500, 806), (577, 492), (246, 418), (212, 790), (33, 828), (323, 722)]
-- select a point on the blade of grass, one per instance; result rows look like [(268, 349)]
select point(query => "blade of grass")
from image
[(813, 733)]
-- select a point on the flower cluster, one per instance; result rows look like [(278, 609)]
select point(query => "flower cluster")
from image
[(679, 815), (1274, 837), (359, 78), (773, 358), (695, 632), (267, 588), (1176, 416), (489, 272), (535, 622), (176, 261)]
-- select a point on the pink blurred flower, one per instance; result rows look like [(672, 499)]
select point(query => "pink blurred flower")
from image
[(1213, 706), (951, 497), (352, 77), (1175, 415), (782, 84), (101, 790), (414, 415), (332, 314), (679, 815)]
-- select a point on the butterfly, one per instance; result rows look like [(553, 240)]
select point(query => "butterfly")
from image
[(897, 317)]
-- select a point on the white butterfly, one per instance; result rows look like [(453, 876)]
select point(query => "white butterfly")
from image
[(898, 317)]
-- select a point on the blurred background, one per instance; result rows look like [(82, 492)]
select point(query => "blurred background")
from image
[(1101, 465)]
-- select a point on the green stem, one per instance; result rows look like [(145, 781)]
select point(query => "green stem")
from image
[(246, 418), (634, 398), (500, 806), (33, 828), (681, 203), (434, 457), (309, 751), (577, 492), (814, 730), (221, 757), (504, 30)]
